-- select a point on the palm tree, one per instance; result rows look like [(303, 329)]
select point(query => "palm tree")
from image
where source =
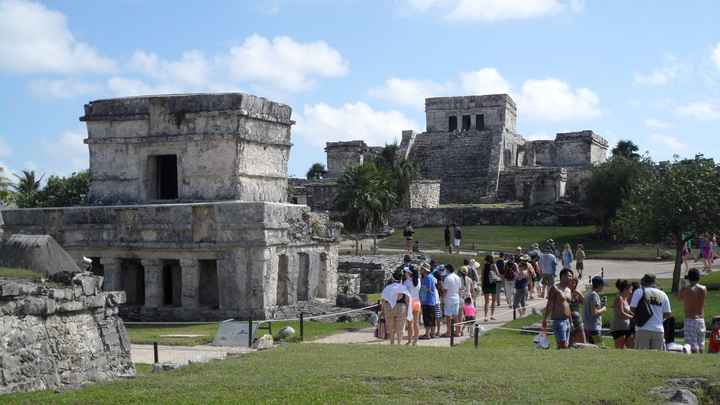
[(626, 149), (27, 188), (316, 172), (366, 194)]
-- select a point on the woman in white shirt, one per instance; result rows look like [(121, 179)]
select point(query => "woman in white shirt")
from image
[(412, 283)]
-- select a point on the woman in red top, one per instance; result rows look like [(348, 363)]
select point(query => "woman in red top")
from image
[(714, 346)]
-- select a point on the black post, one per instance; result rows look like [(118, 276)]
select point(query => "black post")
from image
[(514, 313), (602, 272), (452, 335), (155, 353), (270, 328), (250, 334), (477, 335), (377, 308), (302, 327)]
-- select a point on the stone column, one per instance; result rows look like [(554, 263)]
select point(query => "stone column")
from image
[(153, 282), (190, 271), (112, 276)]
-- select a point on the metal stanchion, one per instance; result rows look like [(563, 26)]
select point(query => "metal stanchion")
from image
[(302, 327), (452, 335), (514, 313), (155, 352), (250, 334), (477, 335)]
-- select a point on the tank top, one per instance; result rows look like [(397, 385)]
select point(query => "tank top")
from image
[(618, 323), (521, 282), (486, 274)]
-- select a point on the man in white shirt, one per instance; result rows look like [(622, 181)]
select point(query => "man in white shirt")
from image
[(651, 334), (451, 286)]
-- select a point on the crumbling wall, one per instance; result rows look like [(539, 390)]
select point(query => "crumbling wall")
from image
[(373, 270), (52, 338), (424, 194)]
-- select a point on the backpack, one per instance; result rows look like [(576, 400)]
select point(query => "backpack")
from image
[(643, 312)]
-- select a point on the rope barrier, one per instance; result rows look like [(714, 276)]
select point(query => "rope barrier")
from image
[(319, 316)]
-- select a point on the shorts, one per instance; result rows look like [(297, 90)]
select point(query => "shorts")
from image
[(489, 288), (649, 340), (428, 315), (579, 266), (593, 336), (520, 297), (548, 279), (416, 306), (456, 243), (577, 323), (617, 334), (452, 309), (438, 311), (469, 318), (694, 331), (561, 330), (395, 316)]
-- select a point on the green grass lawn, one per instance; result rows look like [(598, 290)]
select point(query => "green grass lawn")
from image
[(24, 274), (508, 238), (314, 373)]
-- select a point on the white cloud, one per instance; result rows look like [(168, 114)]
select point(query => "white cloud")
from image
[(62, 88), (656, 124), (409, 92), (35, 39), (715, 55), (321, 123), (658, 77), (554, 100), (701, 110), (670, 142), (483, 81), (192, 69), (284, 63), (67, 153), (5, 149), (495, 10), (126, 87)]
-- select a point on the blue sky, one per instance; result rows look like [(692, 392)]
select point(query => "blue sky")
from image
[(642, 70)]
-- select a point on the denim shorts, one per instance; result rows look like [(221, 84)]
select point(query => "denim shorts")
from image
[(561, 330), (451, 309)]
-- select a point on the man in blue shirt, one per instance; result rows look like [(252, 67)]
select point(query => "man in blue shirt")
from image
[(548, 267), (428, 301)]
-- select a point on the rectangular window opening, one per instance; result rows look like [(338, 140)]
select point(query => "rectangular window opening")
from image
[(164, 178), (466, 123), (452, 123), (479, 122)]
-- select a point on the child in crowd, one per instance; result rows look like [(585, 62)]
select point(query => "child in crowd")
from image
[(714, 345), (469, 311)]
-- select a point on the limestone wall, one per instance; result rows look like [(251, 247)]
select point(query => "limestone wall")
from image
[(53, 338), (424, 194), (373, 270), (228, 146)]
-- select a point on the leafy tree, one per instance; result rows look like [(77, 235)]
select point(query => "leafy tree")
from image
[(27, 188), (626, 149), (5, 185), (316, 172), (366, 195), (65, 191), (401, 171), (610, 182), (678, 201)]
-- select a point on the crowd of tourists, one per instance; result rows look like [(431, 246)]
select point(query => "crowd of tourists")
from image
[(444, 297)]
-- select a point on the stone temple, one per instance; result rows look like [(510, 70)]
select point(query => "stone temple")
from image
[(471, 152), (188, 210)]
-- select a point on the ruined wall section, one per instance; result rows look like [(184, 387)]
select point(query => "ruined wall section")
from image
[(342, 155), (228, 147), (55, 338)]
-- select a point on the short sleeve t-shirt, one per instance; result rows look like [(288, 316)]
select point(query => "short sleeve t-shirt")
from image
[(548, 263), (452, 285), (592, 322), (659, 303), (428, 290)]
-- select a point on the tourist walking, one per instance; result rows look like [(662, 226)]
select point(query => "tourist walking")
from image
[(567, 257), (593, 308), (548, 267), (714, 341), (457, 238), (451, 287), (650, 306), (490, 278), (686, 256), (558, 309), (577, 333), (580, 259), (521, 280), (508, 273), (620, 322), (467, 291), (469, 313), (408, 233), (412, 283), (429, 301), (693, 298), (448, 239), (534, 285), (708, 254), (395, 308), (439, 273)]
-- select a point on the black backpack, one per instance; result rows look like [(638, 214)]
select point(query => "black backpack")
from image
[(643, 312)]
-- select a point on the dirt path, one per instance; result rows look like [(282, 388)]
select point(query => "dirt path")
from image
[(183, 354)]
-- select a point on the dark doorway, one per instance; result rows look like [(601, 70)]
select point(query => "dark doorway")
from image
[(133, 281), (452, 123), (166, 177), (479, 122), (209, 294), (172, 284), (303, 285), (466, 123), (283, 280)]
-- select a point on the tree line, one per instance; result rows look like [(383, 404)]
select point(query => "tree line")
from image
[(28, 190)]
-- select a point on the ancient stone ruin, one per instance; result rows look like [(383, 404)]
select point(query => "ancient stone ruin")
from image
[(188, 210), (472, 148), (60, 336)]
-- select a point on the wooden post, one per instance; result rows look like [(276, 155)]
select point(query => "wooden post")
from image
[(155, 352)]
